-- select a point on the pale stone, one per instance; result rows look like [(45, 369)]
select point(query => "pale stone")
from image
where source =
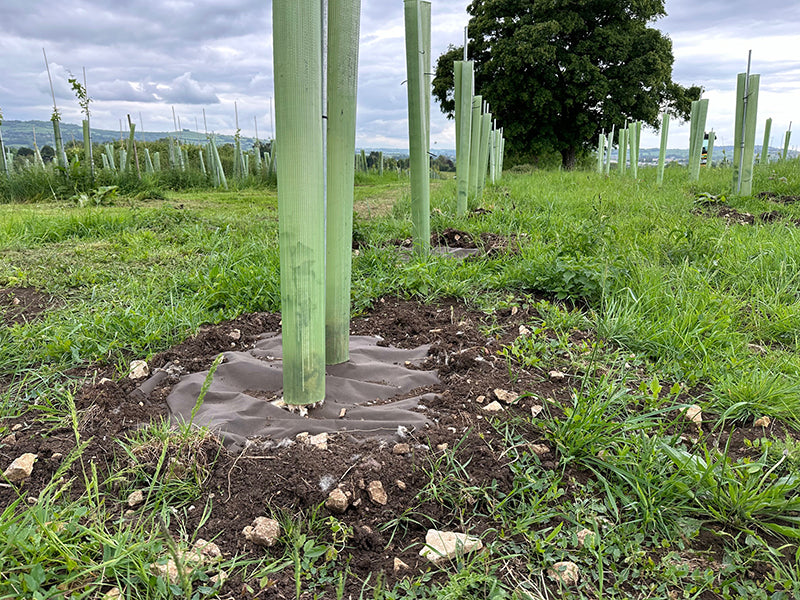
[(235, 335), (401, 484), (263, 532), (401, 449), (762, 422), (506, 396), (695, 414), (524, 330), (9, 440), (138, 369), (135, 498), (399, 566), (113, 594), (539, 449), (442, 447), (565, 572), (208, 551), (104, 381), (337, 501), (376, 493), (583, 535), (536, 410), (493, 407), (319, 441), (556, 375), (480, 399), (57, 456), (21, 468), (168, 571), (441, 546), (17, 427), (219, 578)]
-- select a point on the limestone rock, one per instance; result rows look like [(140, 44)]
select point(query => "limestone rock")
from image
[(235, 335), (219, 578), (337, 501), (399, 566), (319, 441), (506, 396), (536, 410), (9, 440), (539, 449), (168, 571), (376, 493), (762, 422), (583, 535), (493, 407), (113, 594), (138, 369), (263, 532), (565, 572), (442, 447), (523, 331), (401, 449), (21, 468), (135, 498), (207, 551), (441, 546), (400, 484), (694, 414), (556, 375)]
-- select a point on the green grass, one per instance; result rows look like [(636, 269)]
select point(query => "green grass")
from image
[(679, 309)]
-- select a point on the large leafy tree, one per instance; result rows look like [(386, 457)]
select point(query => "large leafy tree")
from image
[(557, 72)]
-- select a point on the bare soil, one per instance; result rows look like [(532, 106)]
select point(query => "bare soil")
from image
[(266, 479)]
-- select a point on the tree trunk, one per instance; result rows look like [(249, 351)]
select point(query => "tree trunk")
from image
[(569, 157)]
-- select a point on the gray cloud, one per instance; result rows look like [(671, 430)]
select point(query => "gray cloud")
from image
[(145, 57)]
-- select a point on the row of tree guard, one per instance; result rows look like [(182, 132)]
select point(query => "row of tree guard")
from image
[(701, 142)]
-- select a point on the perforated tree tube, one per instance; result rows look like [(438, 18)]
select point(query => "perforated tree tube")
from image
[(475, 145), (297, 42), (662, 152), (343, 32), (417, 131), (697, 128), (464, 74)]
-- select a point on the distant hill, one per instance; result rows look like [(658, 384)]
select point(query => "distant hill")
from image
[(20, 133)]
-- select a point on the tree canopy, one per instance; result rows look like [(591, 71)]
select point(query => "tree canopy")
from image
[(558, 72)]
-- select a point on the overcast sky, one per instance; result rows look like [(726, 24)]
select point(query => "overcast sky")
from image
[(146, 56)]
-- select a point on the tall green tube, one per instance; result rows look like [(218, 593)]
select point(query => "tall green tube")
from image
[(464, 78), (87, 145), (601, 148), (425, 21), (608, 154), (636, 134), (745, 133), (60, 155), (475, 144), (343, 34), (763, 156), (622, 153), (662, 153), (483, 154), (417, 132), (786, 139), (712, 137), (697, 131), (297, 42)]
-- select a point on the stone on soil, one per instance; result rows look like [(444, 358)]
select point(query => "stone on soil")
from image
[(506, 396), (219, 578), (113, 594), (208, 551), (565, 572), (762, 422), (9, 440), (556, 375), (135, 498), (319, 441), (536, 410), (401, 449), (494, 406), (138, 369), (263, 532), (21, 468), (399, 566), (695, 414), (583, 535), (337, 501), (539, 449), (441, 546), (376, 493)]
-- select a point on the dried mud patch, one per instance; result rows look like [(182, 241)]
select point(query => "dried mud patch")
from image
[(778, 198), (464, 244)]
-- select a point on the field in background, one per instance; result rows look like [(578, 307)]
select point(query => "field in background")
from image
[(646, 301)]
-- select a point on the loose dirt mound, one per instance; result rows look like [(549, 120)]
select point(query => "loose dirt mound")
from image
[(781, 199), (461, 243)]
